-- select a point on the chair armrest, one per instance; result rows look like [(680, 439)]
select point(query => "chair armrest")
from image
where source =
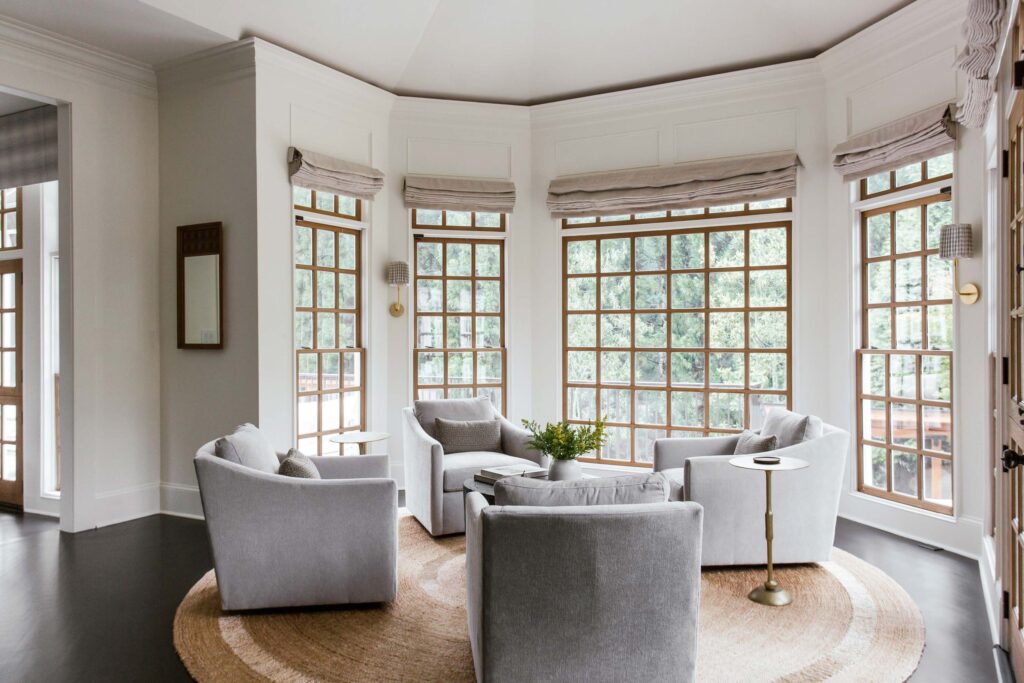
[(670, 453), (475, 505), (514, 441), (353, 466), (424, 471)]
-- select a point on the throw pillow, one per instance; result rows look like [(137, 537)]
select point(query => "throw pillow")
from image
[(625, 490), (427, 412), (248, 446), (791, 428), (458, 436), (299, 465), (749, 442)]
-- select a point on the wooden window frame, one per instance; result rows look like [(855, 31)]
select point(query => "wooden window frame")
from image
[(707, 389), (321, 435), (473, 227), (923, 303), (444, 314), (705, 214), (357, 215), (18, 223), (862, 184)]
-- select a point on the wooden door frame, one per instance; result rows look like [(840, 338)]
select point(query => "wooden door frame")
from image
[(12, 494)]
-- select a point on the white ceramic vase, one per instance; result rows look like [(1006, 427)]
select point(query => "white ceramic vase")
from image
[(564, 470)]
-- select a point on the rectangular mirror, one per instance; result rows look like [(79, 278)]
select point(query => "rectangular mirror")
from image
[(200, 286)]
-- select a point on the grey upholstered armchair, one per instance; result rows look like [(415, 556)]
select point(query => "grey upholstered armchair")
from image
[(282, 541), (433, 479), (583, 593), (805, 502)]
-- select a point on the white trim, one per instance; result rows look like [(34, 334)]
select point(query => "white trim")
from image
[(180, 500), (36, 47), (949, 545)]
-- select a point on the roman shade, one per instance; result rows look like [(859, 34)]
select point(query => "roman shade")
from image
[(912, 138), (702, 183), (28, 147), (976, 59), (459, 194), (326, 174)]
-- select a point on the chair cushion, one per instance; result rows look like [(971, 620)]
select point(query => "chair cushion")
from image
[(749, 442), (675, 476), (248, 446), (790, 428), (299, 465), (459, 467), (625, 490), (465, 409), (460, 436)]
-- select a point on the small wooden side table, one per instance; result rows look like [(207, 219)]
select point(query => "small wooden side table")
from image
[(360, 438), (770, 593)]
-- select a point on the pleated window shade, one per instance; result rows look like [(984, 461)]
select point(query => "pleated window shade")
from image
[(326, 174), (913, 138), (459, 194), (28, 147), (697, 184)]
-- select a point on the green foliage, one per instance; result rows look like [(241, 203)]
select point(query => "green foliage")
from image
[(563, 441)]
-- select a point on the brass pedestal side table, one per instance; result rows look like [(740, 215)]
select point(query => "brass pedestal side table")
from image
[(770, 593)]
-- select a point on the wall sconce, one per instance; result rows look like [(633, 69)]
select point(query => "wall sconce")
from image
[(397, 275), (955, 243)]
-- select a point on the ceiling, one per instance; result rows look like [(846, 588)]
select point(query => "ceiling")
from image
[(515, 51)]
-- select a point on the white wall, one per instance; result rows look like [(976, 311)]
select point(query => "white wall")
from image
[(111, 352), (207, 173), (900, 66)]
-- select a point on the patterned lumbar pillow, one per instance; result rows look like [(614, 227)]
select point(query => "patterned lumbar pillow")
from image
[(299, 465), (749, 442), (457, 436)]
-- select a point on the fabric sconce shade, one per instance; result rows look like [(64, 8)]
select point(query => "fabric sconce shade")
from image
[(956, 241), (397, 274)]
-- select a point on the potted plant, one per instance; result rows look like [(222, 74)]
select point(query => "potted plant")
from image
[(563, 443)]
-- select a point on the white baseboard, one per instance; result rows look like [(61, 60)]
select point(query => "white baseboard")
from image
[(991, 588), (181, 500), (962, 547), (44, 513), (123, 505)]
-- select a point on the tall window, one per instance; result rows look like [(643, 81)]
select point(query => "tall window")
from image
[(334, 205), (330, 358), (905, 420), (781, 205), (474, 221), (459, 293), (675, 333), (10, 218)]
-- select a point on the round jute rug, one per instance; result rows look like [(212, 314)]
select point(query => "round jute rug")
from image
[(848, 622)]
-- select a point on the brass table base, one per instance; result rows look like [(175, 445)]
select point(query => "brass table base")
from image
[(773, 597)]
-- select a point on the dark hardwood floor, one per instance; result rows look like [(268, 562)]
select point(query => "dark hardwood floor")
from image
[(99, 605)]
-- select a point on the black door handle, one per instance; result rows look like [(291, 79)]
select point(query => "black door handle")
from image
[(1011, 459)]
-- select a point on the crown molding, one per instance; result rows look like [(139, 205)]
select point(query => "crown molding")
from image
[(35, 47), (354, 89), (917, 23), (787, 79), (461, 113), (213, 66)]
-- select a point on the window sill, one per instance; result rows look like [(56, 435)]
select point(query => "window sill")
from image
[(622, 469), (950, 519)]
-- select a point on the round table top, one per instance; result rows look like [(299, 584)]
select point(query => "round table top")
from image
[(359, 437), (747, 462)]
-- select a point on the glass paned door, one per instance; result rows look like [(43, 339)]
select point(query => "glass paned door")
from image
[(11, 488)]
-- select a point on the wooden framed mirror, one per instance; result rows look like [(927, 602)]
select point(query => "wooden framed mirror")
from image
[(200, 286)]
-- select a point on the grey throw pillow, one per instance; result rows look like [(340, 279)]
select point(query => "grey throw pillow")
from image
[(248, 446), (791, 428), (299, 465), (749, 442), (625, 490), (427, 411), (459, 436)]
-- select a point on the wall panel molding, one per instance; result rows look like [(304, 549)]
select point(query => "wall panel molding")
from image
[(469, 158)]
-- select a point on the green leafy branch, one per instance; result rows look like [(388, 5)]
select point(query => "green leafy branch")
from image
[(563, 441)]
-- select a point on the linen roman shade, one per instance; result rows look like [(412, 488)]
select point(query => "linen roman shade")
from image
[(912, 138), (976, 59), (326, 174), (28, 147), (702, 183), (459, 194)]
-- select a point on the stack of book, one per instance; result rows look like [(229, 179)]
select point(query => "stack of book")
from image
[(489, 475)]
